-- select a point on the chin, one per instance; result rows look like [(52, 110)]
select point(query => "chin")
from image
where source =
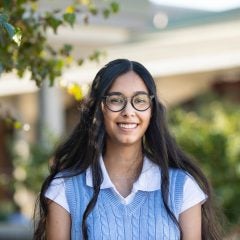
[(129, 142)]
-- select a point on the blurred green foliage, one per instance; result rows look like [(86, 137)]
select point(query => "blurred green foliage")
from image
[(24, 47), (31, 168), (23, 36), (209, 129), (6, 208)]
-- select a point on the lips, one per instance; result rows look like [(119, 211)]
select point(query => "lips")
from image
[(127, 125)]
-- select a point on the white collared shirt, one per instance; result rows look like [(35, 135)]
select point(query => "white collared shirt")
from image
[(149, 180)]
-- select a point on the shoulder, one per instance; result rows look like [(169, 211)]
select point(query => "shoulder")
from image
[(56, 191), (178, 171), (190, 187), (192, 193), (73, 180), (185, 189), (60, 185), (177, 176)]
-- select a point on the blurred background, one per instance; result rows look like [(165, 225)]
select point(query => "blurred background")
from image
[(57, 47)]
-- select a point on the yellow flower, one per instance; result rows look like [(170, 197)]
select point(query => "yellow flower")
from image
[(70, 9)]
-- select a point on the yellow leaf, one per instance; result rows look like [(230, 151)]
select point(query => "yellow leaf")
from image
[(17, 37), (75, 90), (34, 6), (43, 54), (70, 9), (84, 2), (68, 60), (15, 55), (17, 125)]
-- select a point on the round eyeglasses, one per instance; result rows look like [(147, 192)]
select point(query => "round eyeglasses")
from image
[(116, 102)]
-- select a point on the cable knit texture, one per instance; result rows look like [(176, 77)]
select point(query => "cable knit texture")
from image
[(144, 218)]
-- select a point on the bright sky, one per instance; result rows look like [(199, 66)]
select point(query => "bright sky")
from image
[(210, 5)]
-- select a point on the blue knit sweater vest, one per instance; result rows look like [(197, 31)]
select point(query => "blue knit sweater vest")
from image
[(144, 218)]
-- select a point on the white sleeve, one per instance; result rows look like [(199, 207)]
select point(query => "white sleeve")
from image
[(56, 192), (192, 194)]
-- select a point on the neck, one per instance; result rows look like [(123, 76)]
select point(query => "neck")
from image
[(124, 165), (123, 161)]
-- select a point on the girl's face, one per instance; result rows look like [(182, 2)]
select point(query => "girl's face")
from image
[(127, 126)]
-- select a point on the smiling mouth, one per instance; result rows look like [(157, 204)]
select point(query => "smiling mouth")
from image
[(127, 125)]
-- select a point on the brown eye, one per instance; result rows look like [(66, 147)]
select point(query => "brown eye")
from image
[(141, 99), (141, 102), (115, 100)]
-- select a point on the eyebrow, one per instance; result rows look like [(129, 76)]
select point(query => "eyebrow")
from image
[(119, 93)]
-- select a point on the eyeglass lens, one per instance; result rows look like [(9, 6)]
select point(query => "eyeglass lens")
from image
[(117, 102)]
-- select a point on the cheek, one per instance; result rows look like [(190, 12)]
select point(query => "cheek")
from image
[(104, 113), (147, 117), (148, 123), (108, 118)]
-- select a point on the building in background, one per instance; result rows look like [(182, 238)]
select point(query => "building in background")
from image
[(188, 51)]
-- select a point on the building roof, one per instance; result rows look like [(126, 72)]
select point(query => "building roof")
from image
[(192, 41)]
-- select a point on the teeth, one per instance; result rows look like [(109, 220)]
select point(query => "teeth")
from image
[(127, 125)]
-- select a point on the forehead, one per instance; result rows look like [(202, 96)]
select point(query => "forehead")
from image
[(128, 83)]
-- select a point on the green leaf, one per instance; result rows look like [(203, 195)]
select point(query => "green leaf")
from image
[(93, 9), (6, 4), (34, 53), (1, 68), (3, 18), (80, 61), (69, 18), (20, 2), (17, 36), (66, 49), (114, 7), (9, 29), (106, 13), (2, 42), (53, 22), (96, 55)]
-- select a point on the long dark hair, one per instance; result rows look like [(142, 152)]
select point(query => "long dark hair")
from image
[(87, 142)]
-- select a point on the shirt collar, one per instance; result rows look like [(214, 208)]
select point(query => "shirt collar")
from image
[(149, 179), (107, 183)]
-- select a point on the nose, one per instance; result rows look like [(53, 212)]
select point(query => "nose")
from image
[(128, 110)]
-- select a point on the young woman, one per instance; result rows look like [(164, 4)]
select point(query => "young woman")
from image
[(120, 175)]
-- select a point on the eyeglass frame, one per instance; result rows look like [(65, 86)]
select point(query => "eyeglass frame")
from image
[(126, 100)]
